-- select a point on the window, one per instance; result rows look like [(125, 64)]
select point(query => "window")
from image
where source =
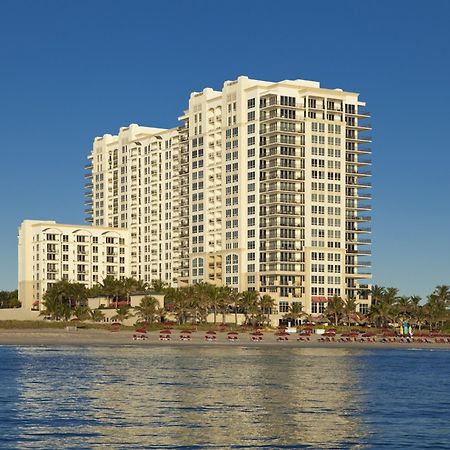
[(317, 307), (251, 103), (364, 308), (283, 307)]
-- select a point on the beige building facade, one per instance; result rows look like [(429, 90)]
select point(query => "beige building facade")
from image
[(264, 186), (50, 252)]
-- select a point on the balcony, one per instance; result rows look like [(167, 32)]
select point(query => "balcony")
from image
[(359, 252), (273, 102), (351, 218), (358, 264), (358, 207), (275, 116), (364, 162), (360, 127), (359, 139), (359, 151), (361, 114), (357, 196), (358, 241), (349, 170), (361, 185), (88, 185), (359, 230), (277, 129)]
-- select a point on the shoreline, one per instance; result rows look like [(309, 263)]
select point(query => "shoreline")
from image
[(98, 338)]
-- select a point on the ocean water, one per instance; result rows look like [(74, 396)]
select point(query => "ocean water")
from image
[(223, 397)]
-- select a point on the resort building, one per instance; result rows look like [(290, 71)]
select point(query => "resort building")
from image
[(131, 183), (263, 187), (49, 252)]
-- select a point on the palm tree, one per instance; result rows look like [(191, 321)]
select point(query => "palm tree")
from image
[(442, 294), (122, 314), (57, 301), (436, 310), (350, 308), (112, 289), (158, 285), (266, 303), (82, 313), (202, 300), (377, 294), (148, 309), (403, 308), (131, 285), (78, 294), (295, 312), (232, 297), (96, 315), (381, 313), (224, 298), (181, 303), (335, 308), (216, 301), (249, 302)]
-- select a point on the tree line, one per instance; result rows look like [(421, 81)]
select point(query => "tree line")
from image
[(193, 304), (9, 299)]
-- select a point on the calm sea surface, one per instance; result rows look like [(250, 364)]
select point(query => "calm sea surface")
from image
[(221, 397)]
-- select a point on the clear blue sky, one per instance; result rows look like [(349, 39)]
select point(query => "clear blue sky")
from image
[(72, 70)]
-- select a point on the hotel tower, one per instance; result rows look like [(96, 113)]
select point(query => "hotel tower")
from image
[(264, 186)]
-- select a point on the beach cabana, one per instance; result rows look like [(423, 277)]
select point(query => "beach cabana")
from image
[(115, 326), (283, 336), (210, 336), (185, 335), (233, 336), (165, 335), (256, 336)]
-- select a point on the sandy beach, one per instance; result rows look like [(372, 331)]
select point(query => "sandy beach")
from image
[(95, 337)]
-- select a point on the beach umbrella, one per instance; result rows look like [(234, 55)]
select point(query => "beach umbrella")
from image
[(141, 330), (233, 333), (211, 332), (166, 331), (186, 331), (329, 333)]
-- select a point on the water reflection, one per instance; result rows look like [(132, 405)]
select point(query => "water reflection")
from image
[(167, 397)]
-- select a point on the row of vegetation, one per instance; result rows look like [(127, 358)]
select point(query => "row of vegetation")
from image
[(9, 299), (65, 301), (195, 303)]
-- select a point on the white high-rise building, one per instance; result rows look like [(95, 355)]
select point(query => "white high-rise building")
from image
[(263, 187), (51, 252)]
